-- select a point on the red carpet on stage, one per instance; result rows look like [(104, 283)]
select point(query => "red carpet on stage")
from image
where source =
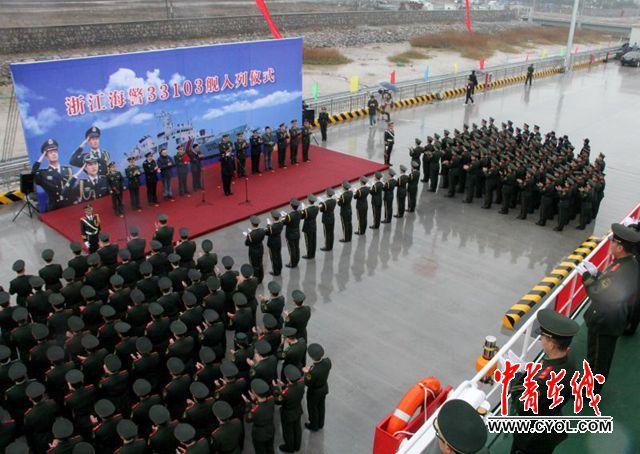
[(325, 169)]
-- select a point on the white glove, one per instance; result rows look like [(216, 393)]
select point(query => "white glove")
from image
[(283, 213), (268, 221), (586, 266), (302, 206), (628, 221), (245, 233)]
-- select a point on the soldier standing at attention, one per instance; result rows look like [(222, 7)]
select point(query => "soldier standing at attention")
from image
[(260, 414), (256, 149), (372, 107), (529, 79), (116, 188), (253, 240), (327, 207), (289, 396), (298, 318), (306, 140), (274, 243), (416, 152), (401, 193), (323, 121), (292, 234), (165, 163), (133, 182), (267, 147), (345, 212), (282, 145), (54, 178), (294, 137), (412, 189), (362, 205), (90, 229), (434, 167), (241, 154), (315, 377), (226, 164), (309, 215), (182, 166), (388, 189), (195, 158), (389, 140), (376, 200), (151, 171)]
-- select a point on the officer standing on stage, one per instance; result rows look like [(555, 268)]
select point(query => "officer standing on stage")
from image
[(388, 189), (182, 169), (376, 199), (389, 140), (226, 164), (151, 171), (282, 136), (165, 163), (54, 178), (315, 377), (362, 205), (116, 189), (195, 159), (90, 229), (253, 240), (267, 147), (556, 333), (309, 214), (401, 193), (459, 428), (412, 188), (274, 243), (344, 201), (292, 233), (101, 156), (294, 137), (306, 140), (132, 171), (289, 396), (241, 146), (323, 121), (327, 207), (256, 151)]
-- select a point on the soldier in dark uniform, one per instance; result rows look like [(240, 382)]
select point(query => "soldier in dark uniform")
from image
[(310, 214), (376, 200), (131, 444), (412, 187), (128, 269), (207, 262), (55, 178), (327, 207), (228, 437), (548, 193), (51, 273), (315, 378), (508, 180), (401, 192), (293, 350), (586, 205), (64, 441), (260, 414), (195, 159), (473, 170), (529, 79), (108, 252), (105, 432), (306, 140), (185, 248), (282, 137), (491, 176), (434, 167), (256, 150), (132, 171), (289, 396), (253, 240), (267, 147), (101, 156), (199, 414), (274, 303), (55, 376), (188, 442), (344, 201), (241, 146), (94, 186), (161, 439), (264, 364), (165, 164), (274, 243), (164, 234), (226, 164), (38, 301), (242, 319), (115, 181), (526, 195), (388, 189), (556, 333), (416, 152), (176, 392), (231, 388), (145, 400), (90, 228), (323, 121), (182, 169), (362, 205), (39, 418), (564, 203), (292, 234), (79, 261), (79, 401), (151, 171), (115, 384), (389, 140), (294, 137), (460, 428), (298, 318)]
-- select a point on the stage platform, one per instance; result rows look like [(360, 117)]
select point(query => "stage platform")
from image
[(265, 192)]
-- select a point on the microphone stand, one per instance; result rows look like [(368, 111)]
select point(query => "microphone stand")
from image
[(203, 200), (246, 193)]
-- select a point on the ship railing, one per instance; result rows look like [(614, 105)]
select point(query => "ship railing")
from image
[(521, 342)]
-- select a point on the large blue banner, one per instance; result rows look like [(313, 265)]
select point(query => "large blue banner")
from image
[(80, 114)]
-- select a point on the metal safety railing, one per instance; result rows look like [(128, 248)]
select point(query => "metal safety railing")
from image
[(522, 341)]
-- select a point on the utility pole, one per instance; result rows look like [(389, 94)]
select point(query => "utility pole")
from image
[(533, 7), (572, 29)]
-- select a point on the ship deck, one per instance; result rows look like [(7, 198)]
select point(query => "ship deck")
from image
[(418, 297)]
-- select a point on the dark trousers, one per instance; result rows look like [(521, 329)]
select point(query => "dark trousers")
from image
[(305, 151), (585, 216), (242, 162), (488, 195), (294, 251), (453, 182), (294, 152), (377, 213), (425, 170), (388, 209), (433, 180), (401, 198), (469, 97), (529, 79), (93, 243), (470, 189), (315, 408), (310, 243), (545, 211), (506, 199), (226, 184), (361, 216), (196, 177), (282, 154), (263, 447), (255, 162), (323, 131), (600, 351), (525, 202), (182, 183), (328, 235), (413, 199), (387, 153), (152, 187), (291, 433), (268, 152), (134, 196), (256, 262), (347, 228), (275, 254), (563, 216), (116, 202)]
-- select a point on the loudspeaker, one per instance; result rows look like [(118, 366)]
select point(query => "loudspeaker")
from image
[(27, 183)]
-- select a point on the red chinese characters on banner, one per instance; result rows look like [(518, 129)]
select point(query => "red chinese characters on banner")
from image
[(530, 394), (504, 378), (554, 388), (586, 383), (79, 105)]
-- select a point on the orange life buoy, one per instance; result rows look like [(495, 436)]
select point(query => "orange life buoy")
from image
[(411, 401)]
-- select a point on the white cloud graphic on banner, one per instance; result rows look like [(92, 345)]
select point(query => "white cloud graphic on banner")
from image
[(132, 116), (273, 99), (42, 121), (125, 78), (233, 96)]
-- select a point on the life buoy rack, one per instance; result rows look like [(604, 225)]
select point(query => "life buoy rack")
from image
[(419, 395)]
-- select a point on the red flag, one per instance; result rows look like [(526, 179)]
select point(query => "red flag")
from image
[(482, 63), (262, 6), (393, 77), (467, 15)]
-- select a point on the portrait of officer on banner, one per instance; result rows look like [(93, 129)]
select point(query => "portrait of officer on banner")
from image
[(94, 185), (55, 179), (92, 139)]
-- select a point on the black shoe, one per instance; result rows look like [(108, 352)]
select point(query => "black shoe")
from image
[(358, 233), (324, 249), (310, 427), (274, 274), (432, 190), (384, 222), (466, 201), (306, 257), (558, 229), (485, 207), (373, 227), (542, 224), (288, 265), (580, 227), (503, 212), (343, 240), (423, 181), (449, 195), (520, 217), (284, 448)]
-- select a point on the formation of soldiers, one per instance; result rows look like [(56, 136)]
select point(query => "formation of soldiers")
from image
[(511, 167), (153, 348)]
